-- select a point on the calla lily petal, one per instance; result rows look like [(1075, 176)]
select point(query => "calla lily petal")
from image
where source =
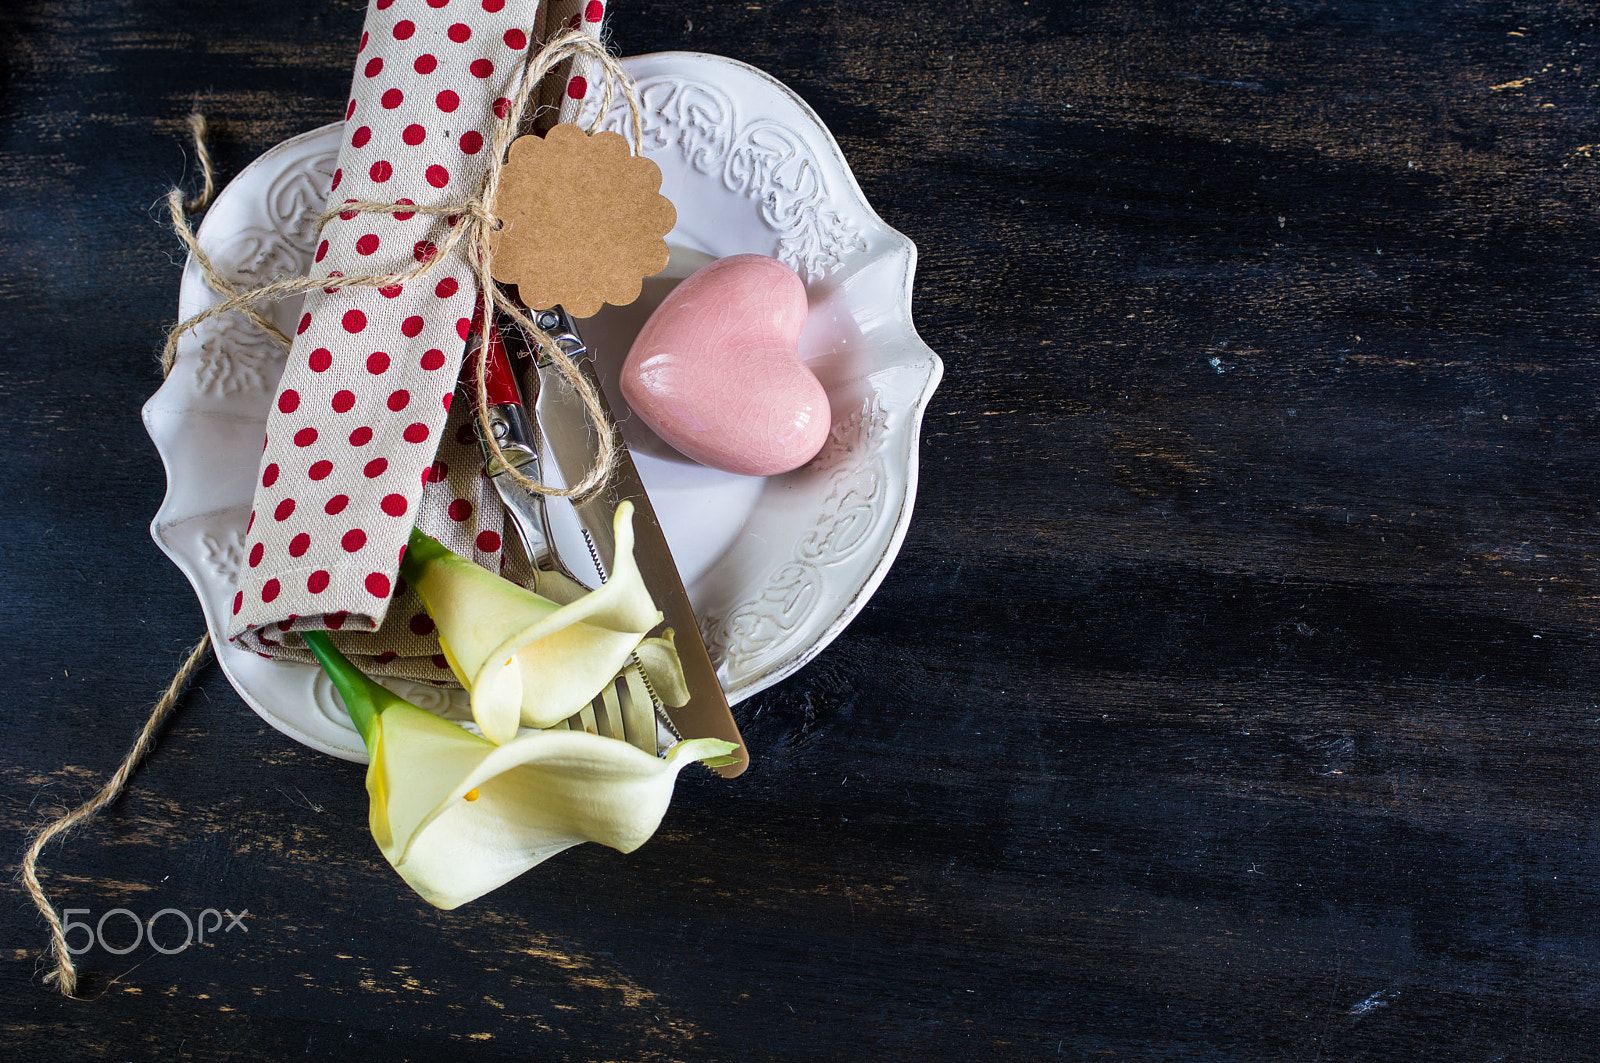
[(523, 657), (658, 657), (476, 614), (569, 656)]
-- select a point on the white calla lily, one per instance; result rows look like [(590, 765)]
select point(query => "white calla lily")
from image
[(524, 658), (457, 815)]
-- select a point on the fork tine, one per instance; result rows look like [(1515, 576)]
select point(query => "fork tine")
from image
[(585, 720), (608, 712), (638, 709)]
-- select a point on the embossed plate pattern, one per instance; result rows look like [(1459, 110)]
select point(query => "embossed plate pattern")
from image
[(776, 567)]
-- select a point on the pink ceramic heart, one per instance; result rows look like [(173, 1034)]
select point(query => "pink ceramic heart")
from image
[(716, 371)]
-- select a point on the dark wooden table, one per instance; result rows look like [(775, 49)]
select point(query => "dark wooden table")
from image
[(1236, 695)]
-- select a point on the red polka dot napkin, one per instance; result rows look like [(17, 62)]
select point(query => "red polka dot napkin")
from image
[(363, 439)]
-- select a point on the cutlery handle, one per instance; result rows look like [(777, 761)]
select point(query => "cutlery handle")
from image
[(500, 383)]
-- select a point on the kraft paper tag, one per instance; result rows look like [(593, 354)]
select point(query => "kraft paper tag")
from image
[(584, 221)]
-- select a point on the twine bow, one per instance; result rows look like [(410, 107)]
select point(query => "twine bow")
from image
[(471, 222)]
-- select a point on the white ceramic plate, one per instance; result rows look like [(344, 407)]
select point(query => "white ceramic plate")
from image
[(776, 567)]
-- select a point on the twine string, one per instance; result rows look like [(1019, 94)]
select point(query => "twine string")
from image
[(64, 974), (480, 226)]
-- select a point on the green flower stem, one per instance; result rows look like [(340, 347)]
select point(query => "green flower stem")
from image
[(421, 550), (363, 699)]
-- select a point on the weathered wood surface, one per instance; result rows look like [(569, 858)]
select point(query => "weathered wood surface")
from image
[(1234, 696)]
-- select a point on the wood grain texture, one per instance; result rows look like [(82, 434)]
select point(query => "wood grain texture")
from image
[(1233, 698)]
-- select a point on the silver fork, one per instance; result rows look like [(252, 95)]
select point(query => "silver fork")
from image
[(625, 709)]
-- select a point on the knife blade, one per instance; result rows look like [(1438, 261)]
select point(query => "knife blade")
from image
[(569, 443)]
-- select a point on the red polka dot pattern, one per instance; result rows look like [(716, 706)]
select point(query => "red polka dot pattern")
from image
[(361, 438)]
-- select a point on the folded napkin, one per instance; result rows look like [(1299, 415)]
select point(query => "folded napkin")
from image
[(363, 439)]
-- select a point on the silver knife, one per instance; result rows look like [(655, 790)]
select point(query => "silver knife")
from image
[(569, 443)]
